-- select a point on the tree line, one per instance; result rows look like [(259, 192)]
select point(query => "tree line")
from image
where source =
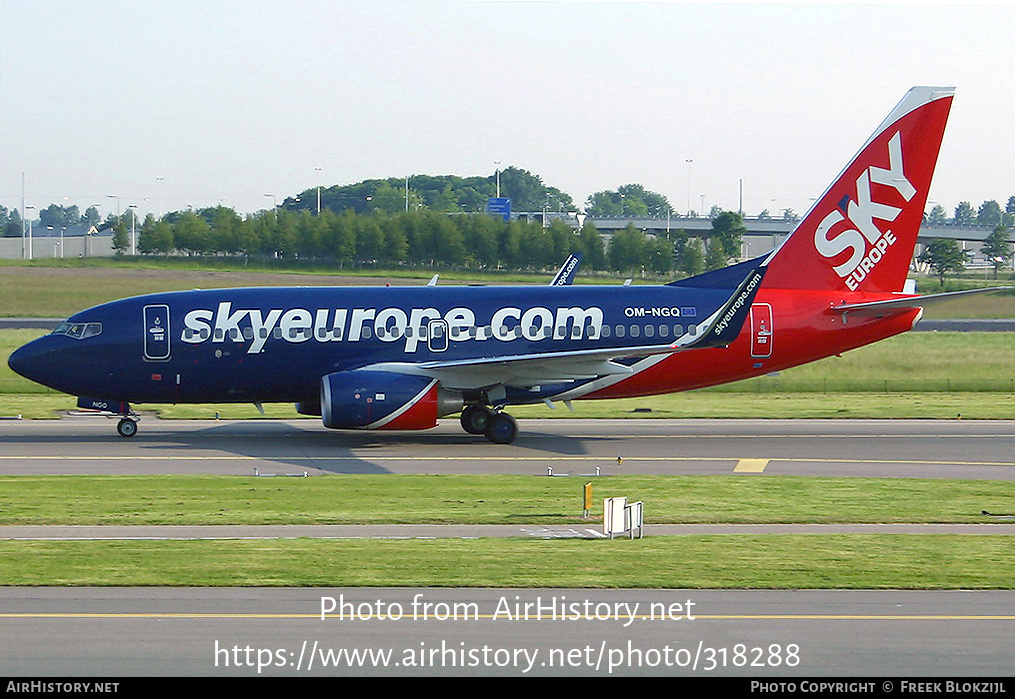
[(53, 215), (426, 238), (989, 213), (454, 194), (944, 255), (443, 193), (425, 220)]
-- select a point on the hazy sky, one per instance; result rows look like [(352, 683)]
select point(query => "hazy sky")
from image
[(188, 102)]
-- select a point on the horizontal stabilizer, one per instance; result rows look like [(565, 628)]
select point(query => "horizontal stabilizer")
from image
[(910, 302)]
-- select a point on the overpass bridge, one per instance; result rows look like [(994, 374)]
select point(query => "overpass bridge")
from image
[(762, 234)]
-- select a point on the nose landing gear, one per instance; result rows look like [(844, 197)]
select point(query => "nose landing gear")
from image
[(127, 427)]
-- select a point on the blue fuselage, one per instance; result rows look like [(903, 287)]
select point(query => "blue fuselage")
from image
[(275, 344)]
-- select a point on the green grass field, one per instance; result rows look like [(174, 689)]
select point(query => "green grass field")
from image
[(760, 561), (853, 561), (430, 499), (695, 404), (49, 289), (57, 288)]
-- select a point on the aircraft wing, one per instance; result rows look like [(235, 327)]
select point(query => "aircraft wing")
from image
[(522, 371), (525, 370)]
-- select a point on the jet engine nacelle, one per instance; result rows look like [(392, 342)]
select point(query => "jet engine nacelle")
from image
[(368, 399)]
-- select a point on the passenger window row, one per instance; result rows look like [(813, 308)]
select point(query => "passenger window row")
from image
[(366, 332)]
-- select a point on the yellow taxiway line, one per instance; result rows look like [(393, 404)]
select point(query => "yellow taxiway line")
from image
[(545, 617)]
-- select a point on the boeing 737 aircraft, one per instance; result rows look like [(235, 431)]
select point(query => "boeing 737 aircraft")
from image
[(399, 358)]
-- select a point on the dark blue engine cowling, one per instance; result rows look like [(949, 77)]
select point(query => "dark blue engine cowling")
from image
[(378, 400)]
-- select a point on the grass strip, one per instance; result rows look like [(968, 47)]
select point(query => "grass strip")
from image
[(60, 287), (695, 404), (490, 499), (849, 561)]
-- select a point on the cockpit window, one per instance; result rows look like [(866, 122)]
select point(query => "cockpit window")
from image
[(79, 331)]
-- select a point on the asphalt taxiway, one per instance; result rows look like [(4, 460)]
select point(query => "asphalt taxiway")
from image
[(258, 632), (577, 447)]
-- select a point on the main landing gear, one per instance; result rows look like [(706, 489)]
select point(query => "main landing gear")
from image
[(499, 427)]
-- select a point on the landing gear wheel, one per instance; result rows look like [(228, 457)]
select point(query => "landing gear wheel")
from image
[(476, 418), (502, 429), (127, 427)]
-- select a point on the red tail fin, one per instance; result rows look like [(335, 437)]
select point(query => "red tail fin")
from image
[(860, 235)]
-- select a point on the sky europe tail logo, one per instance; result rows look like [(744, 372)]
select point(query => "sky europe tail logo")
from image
[(864, 240)]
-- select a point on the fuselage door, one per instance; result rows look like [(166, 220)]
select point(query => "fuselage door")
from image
[(156, 333), (761, 330), (437, 335)]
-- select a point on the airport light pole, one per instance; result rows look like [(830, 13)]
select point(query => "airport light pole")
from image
[(688, 161), (113, 196), (133, 236), (24, 240), (317, 169), (27, 207)]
